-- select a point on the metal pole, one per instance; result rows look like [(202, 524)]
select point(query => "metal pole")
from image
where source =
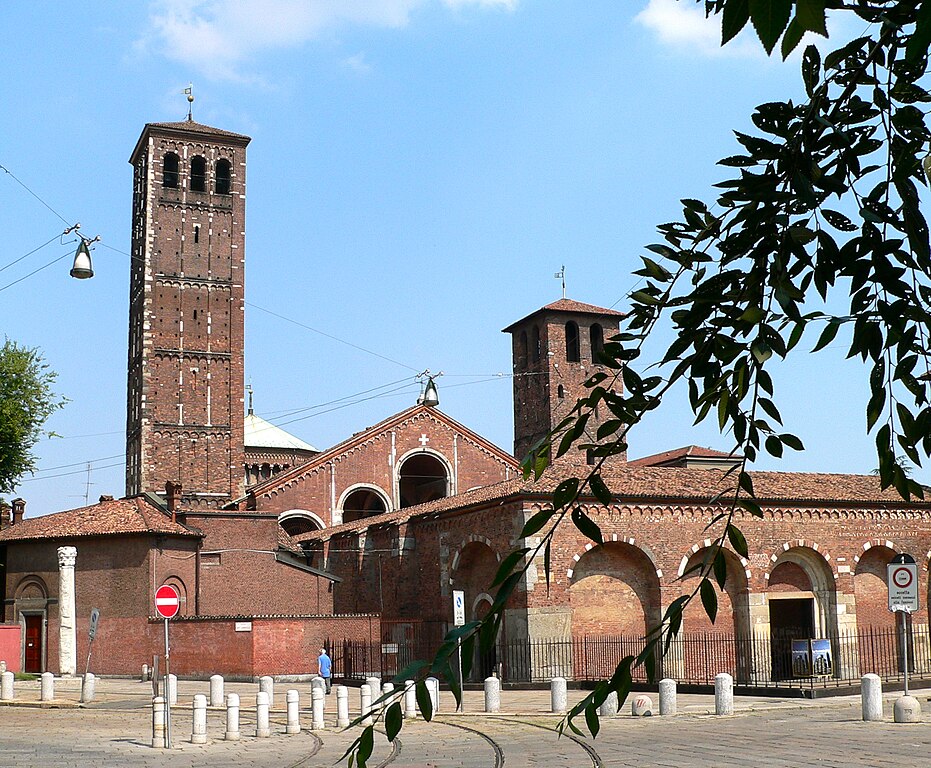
[(461, 708), (167, 692), (905, 646)]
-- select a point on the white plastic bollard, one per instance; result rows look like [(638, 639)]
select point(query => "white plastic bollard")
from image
[(6, 686), (318, 694), (158, 722), (433, 686), (641, 706), (365, 703), (199, 720), (47, 689), (668, 699), (410, 699), (145, 673), (88, 687), (559, 695), (267, 685), (172, 690), (293, 699), (723, 694), (216, 691), (492, 694), (342, 706), (232, 717), (609, 706), (262, 731), (871, 697)]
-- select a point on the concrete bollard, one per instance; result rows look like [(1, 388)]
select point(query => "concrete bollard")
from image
[(88, 687), (318, 695), (199, 723), (641, 706), (145, 673), (172, 690), (609, 706), (492, 694), (723, 694), (47, 689), (559, 695), (158, 722), (906, 710), (216, 691), (267, 685), (871, 697), (6, 686), (668, 703), (433, 686), (386, 690), (365, 703), (374, 683), (262, 731), (342, 706), (232, 717), (2, 667), (317, 682), (410, 699), (293, 698)]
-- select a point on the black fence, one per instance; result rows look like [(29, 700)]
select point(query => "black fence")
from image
[(787, 660)]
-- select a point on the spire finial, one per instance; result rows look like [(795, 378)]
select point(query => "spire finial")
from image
[(189, 92), (249, 390), (561, 275)]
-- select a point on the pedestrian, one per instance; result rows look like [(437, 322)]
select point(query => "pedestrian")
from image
[(325, 668)]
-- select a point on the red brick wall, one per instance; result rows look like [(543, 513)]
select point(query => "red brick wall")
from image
[(872, 591), (789, 577)]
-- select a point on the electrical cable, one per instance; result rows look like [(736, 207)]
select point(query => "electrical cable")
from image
[(16, 261)]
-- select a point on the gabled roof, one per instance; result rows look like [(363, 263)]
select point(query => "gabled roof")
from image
[(282, 478), (183, 128), (678, 454), (135, 515), (571, 307), (258, 433)]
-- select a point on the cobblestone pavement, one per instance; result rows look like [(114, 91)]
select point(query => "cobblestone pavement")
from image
[(115, 730)]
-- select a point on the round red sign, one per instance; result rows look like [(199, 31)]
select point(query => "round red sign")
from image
[(167, 601)]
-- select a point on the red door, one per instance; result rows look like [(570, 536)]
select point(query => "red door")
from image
[(32, 661)]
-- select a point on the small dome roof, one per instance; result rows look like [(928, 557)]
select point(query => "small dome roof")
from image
[(258, 433)]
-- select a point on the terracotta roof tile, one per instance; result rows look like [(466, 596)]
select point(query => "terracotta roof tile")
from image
[(694, 451), (194, 127), (570, 306)]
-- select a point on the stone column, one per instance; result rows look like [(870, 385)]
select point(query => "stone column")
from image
[(68, 643)]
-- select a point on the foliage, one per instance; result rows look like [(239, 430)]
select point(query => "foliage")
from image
[(26, 401), (822, 198)]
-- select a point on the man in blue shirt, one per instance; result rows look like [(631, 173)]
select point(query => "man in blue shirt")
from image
[(325, 667)]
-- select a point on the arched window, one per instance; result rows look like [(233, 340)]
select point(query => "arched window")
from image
[(535, 344), (522, 349), (597, 337), (170, 171), (572, 342), (422, 478), (362, 502), (560, 392), (198, 174), (222, 186)]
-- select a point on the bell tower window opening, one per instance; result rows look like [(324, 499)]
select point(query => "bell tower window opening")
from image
[(597, 338), (170, 171), (572, 342), (198, 174), (222, 184), (422, 478), (362, 503), (196, 233), (535, 344), (522, 349)]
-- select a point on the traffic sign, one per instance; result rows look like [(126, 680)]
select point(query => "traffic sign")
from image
[(902, 578), (458, 607), (92, 628), (167, 601)]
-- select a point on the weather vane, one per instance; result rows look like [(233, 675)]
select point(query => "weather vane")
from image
[(189, 92), (561, 275)]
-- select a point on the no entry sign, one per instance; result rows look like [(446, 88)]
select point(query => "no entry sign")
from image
[(167, 601), (902, 577)]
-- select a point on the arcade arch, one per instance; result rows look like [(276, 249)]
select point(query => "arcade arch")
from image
[(361, 501), (423, 476)]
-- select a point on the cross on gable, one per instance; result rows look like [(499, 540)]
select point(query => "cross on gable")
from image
[(424, 440)]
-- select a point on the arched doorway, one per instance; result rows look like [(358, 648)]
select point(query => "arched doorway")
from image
[(473, 570)]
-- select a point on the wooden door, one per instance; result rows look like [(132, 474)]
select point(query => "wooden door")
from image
[(32, 657)]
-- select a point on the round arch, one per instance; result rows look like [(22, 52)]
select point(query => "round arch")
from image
[(801, 591), (430, 477), (360, 500), (870, 588), (178, 583), (295, 521), (733, 601)]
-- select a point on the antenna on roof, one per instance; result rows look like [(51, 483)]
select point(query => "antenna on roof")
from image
[(561, 275), (249, 390), (189, 92)]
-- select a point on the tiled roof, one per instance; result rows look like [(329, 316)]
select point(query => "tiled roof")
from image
[(693, 451), (568, 305), (108, 518), (194, 127), (665, 484)]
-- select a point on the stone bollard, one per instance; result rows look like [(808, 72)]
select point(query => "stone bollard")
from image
[(318, 695), (262, 731), (641, 706), (145, 673), (723, 694), (375, 684), (365, 703), (433, 686), (492, 694), (871, 697), (386, 690), (906, 710), (6, 686), (216, 691), (342, 706), (2, 667), (609, 706), (410, 699), (172, 690), (232, 717), (47, 690), (199, 725), (158, 722), (267, 685), (88, 687), (559, 695), (668, 703), (293, 699), (317, 682)]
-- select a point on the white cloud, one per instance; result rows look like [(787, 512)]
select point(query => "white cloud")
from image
[(682, 24), (358, 64), (217, 36)]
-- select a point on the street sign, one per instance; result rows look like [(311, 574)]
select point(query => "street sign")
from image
[(92, 629), (902, 578), (458, 607), (167, 601)]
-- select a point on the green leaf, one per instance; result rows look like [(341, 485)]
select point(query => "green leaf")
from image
[(792, 441), (791, 39), (591, 720), (774, 446), (393, 721), (737, 540), (719, 568), (735, 17), (770, 18), (920, 39), (536, 523), (586, 525), (507, 565), (566, 493), (709, 599), (827, 336), (600, 490), (811, 16), (424, 700), (366, 744), (811, 69)]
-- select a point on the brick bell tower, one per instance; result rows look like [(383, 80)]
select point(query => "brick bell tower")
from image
[(554, 351), (184, 420)]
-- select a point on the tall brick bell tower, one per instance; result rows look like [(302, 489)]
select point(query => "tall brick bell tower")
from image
[(554, 352), (184, 420)]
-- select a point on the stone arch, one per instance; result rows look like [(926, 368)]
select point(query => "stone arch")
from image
[(296, 521), (870, 588), (473, 567), (31, 587), (423, 475), (178, 583), (359, 501), (733, 601), (802, 571), (472, 538)]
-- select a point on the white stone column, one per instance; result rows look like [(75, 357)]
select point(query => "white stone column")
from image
[(67, 634)]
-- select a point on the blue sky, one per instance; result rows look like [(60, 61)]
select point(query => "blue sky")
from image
[(419, 171)]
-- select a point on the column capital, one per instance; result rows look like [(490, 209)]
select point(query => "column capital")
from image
[(67, 557)]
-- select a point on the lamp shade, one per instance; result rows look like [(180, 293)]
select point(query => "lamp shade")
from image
[(430, 396), (82, 268)]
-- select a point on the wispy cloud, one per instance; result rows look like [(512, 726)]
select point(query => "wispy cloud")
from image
[(216, 37), (682, 25)]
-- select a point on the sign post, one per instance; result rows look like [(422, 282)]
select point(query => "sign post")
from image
[(91, 634), (902, 577), (458, 621), (167, 605)]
